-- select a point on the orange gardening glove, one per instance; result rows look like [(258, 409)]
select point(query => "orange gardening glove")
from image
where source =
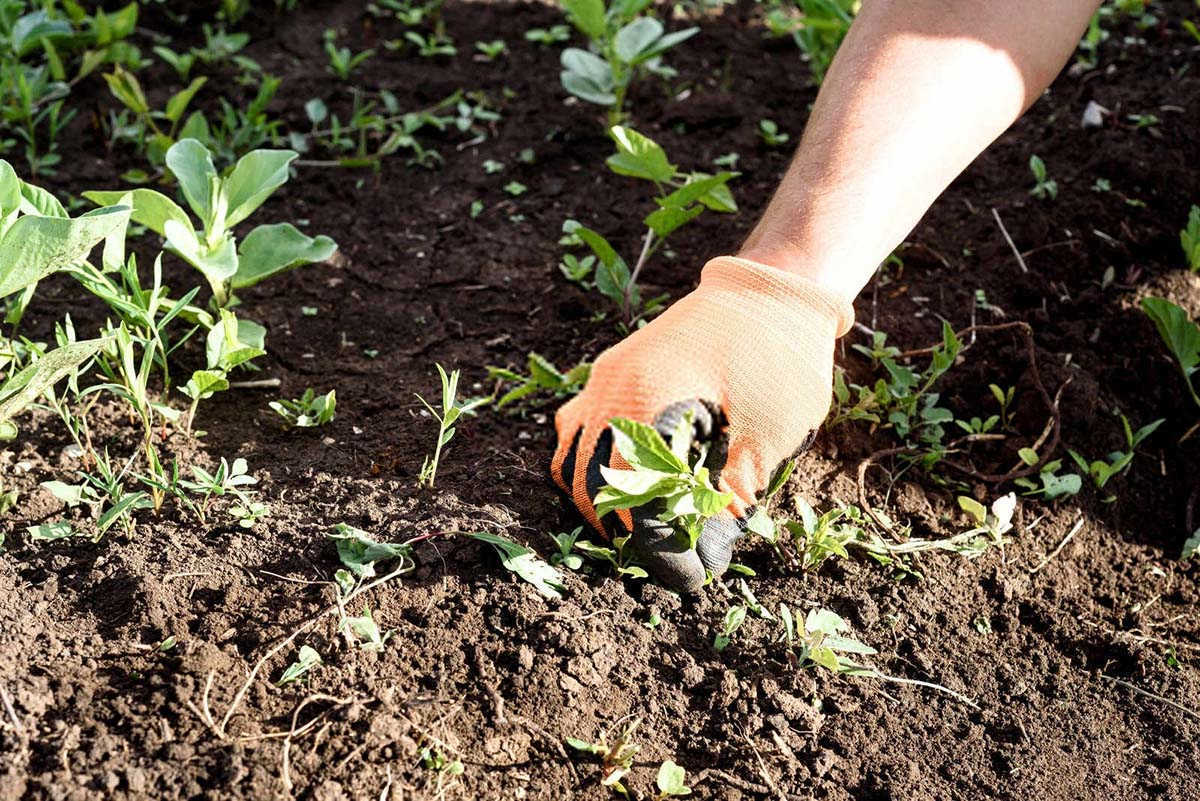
[(750, 353)]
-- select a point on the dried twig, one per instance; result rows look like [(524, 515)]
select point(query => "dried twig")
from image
[(1074, 530), (1185, 710), (1009, 240), (285, 757), (12, 713)]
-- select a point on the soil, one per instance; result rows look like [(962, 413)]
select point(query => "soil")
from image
[(1050, 636)]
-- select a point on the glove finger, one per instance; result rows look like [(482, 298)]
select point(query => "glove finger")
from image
[(665, 555), (562, 467), (715, 546)]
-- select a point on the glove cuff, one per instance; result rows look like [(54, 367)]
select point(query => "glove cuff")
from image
[(743, 275)]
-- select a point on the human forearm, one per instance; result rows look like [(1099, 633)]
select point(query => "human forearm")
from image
[(918, 89)]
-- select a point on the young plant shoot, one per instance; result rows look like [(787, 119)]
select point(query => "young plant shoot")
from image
[(660, 473)]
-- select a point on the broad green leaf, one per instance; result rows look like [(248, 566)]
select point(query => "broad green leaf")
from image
[(666, 220), (232, 342), (587, 65), (670, 779), (306, 660), (644, 448), (636, 37), (666, 42), (612, 274), (271, 249), (587, 16), (29, 30), (10, 189), (359, 552), (125, 87), (33, 247), (638, 156), (974, 508), (50, 531), (180, 100), (204, 383), (697, 187), (848, 645), (1181, 335), (544, 373), (70, 494), (192, 165), (525, 563), (256, 175), (637, 482), (824, 621), (150, 208), (1191, 546), (35, 200)]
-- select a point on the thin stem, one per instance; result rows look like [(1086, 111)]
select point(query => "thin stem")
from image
[(631, 284)]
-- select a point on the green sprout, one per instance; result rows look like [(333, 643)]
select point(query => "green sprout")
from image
[(450, 411), (309, 410)]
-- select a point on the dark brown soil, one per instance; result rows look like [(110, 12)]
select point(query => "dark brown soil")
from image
[(488, 672)]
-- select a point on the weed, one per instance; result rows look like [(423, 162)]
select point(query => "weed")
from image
[(306, 660), (1189, 240), (616, 759), (543, 377), (149, 136), (619, 557), (1050, 483), (661, 473), (769, 132), (670, 781), (565, 543), (548, 36), (1181, 336), (490, 51), (526, 564), (1117, 462), (680, 198), (1043, 187), (623, 46), (342, 62), (431, 45), (734, 617), (309, 410), (451, 410)]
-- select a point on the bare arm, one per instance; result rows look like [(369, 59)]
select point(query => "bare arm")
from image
[(918, 89)]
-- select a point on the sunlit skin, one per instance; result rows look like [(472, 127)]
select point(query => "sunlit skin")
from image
[(918, 89)]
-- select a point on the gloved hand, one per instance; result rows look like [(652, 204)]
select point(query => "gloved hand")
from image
[(750, 353)]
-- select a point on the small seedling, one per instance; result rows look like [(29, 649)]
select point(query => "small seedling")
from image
[(248, 514), (451, 410), (548, 36), (307, 659), (515, 188), (620, 557), (1102, 470), (526, 564), (566, 544), (680, 198), (769, 132), (734, 617), (1191, 546), (1189, 240), (670, 781), (492, 50), (491, 166), (1050, 484), (543, 377), (816, 26), (343, 62), (309, 410), (616, 759), (431, 46), (363, 631), (1043, 187)]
